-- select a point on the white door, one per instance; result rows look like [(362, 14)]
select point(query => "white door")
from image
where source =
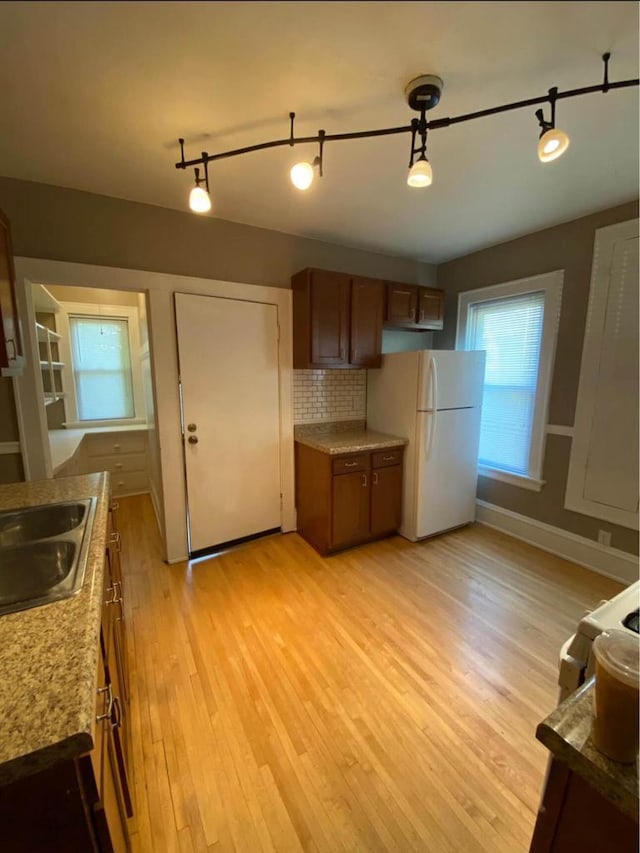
[(228, 353), (450, 379), (447, 469)]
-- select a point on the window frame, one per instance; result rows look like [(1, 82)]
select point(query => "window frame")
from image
[(105, 312), (550, 284)]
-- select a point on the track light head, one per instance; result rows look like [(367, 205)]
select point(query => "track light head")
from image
[(302, 175), (199, 198), (552, 144), (420, 174)]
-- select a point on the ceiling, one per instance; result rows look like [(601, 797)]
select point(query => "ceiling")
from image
[(96, 94)]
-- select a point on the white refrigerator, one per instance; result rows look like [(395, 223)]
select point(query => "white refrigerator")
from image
[(433, 398)]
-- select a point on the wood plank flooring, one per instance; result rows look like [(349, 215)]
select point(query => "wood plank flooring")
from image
[(382, 699)]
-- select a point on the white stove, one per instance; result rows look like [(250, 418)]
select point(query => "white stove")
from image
[(576, 655)]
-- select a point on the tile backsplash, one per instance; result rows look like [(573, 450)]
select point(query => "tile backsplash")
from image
[(329, 395)]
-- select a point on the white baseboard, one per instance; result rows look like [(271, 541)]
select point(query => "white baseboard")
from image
[(610, 562)]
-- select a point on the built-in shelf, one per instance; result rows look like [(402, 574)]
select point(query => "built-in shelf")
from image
[(44, 302), (45, 334)]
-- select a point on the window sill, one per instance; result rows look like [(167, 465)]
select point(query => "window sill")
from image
[(524, 482)]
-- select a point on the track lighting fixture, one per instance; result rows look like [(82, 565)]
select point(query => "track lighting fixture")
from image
[(422, 94), (302, 174), (553, 142)]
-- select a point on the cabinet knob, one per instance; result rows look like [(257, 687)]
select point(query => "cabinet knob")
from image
[(192, 427), (193, 439)]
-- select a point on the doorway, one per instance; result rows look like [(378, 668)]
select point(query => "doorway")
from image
[(229, 376)]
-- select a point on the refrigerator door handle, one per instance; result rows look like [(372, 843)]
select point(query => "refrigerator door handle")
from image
[(432, 435), (433, 378)]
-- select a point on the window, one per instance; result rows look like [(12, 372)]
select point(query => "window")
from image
[(101, 355), (516, 323), (101, 368)]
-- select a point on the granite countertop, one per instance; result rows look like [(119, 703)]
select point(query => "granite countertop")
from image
[(63, 443), (567, 734), (349, 441), (49, 654)]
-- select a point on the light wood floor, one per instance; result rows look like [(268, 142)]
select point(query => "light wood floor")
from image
[(383, 699)]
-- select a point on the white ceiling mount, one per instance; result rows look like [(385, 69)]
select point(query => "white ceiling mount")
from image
[(424, 92)]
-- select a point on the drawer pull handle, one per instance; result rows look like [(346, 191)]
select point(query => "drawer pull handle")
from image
[(116, 447), (364, 481), (350, 464), (388, 458), (109, 703), (115, 506), (118, 465), (116, 721), (114, 540), (375, 479), (116, 597)]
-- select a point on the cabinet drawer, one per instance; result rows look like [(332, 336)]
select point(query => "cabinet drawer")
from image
[(123, 464), (129, 483), (382, 458), (108, 444), (349, 464)]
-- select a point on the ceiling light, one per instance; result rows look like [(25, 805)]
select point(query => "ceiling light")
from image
[(199, 198), (302, 175), (422, 94), (552, 144), (420, 174)]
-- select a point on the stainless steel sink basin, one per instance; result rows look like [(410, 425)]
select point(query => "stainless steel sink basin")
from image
[(39, 522), (43, 553)]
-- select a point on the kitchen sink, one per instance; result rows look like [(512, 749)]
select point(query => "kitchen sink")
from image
[(39, 522), (43, 553)]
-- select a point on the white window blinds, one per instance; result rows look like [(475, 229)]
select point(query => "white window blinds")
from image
[(510, 330), (102, 368)]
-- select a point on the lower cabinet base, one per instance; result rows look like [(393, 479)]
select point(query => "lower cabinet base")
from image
[(348, 499)]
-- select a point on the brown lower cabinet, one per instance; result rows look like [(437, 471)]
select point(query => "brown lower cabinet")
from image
[(348, 499), (81, 805), (574, 816)]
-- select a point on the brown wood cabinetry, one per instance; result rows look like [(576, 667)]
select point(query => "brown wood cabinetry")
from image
[(82, 804), (574, 816), (348, 499), (409, 306), (11, 348), (337, 320)]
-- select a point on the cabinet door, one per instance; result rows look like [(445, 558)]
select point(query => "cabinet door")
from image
[(386, 499), (367, 304), (329, 310), (430, 308), (11, 353), (350, 509), (401, 304)]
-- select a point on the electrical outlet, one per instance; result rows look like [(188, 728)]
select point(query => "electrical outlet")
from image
[(604, 537)]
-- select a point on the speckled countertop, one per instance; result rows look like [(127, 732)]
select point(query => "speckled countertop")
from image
[(49, 654), (567, 734), (335, 441)]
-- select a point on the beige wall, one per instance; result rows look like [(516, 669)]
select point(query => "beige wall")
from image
[(568, 247), (92, 295), (69, 225)]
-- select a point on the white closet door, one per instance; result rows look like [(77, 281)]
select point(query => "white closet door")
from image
[(603, 473), (611, 475), (228, 351)]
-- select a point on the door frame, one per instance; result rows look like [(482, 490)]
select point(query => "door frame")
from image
[(159, 289)]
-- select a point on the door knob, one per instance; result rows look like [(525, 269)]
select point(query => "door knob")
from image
[(193, 439), (192, 427)]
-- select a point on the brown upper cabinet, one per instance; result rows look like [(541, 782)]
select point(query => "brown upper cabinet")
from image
[(409, 306), (11, 351), (337, 320)]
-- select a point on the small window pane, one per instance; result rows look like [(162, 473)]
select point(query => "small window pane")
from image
[(510, 330), (102, 368)]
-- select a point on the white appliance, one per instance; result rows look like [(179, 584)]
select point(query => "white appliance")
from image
[(576, 656), (432, 398)]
